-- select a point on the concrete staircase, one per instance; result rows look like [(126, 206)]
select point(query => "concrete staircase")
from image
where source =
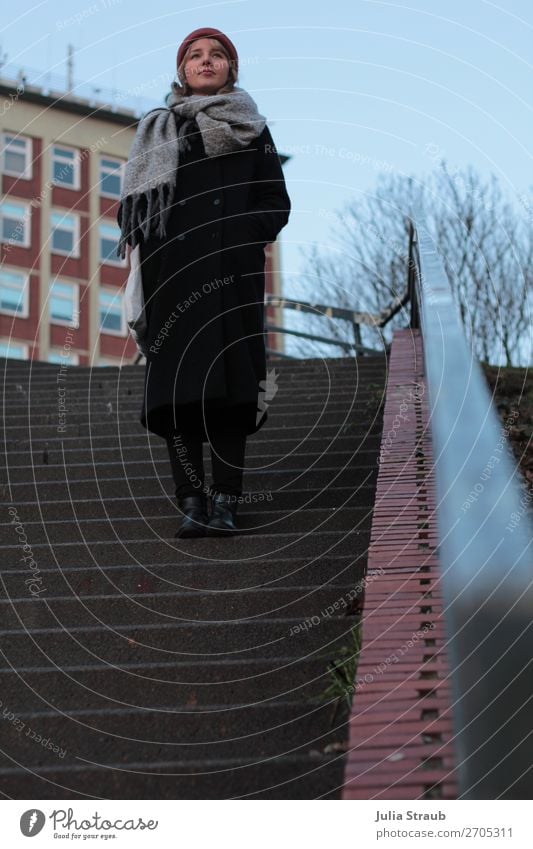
[(134, 665)]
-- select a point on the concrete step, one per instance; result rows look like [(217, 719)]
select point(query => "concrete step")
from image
[(170, 685), (311, 776), (127, 421), (153, 550), (256, 503), (25, 386), (333, 394), (194, 642), (300, 382), (89, 469), (167, 684), (135, 486), (268, 451), (39, 369), (330, 390), (177, 605), (26, 439), (126, 735), (192, 574), (109, 529)]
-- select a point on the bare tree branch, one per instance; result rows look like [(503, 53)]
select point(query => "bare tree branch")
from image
[(485, 243)]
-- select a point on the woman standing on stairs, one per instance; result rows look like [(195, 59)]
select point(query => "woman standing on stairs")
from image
[(203, 194)]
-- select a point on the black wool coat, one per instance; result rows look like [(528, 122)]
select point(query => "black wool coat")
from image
[(204, 287)]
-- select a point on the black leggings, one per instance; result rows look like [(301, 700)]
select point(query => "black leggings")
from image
[(228, 446)]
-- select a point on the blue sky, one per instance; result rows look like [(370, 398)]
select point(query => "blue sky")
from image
[(348, 88)]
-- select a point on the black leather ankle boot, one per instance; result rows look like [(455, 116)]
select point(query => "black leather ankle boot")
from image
[(223, 510), (194, 522)]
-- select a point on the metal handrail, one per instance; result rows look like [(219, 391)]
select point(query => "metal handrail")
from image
[(347, 346), (485, 546), (355, 317)]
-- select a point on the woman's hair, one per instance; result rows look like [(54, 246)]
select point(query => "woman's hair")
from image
[(182, 87)]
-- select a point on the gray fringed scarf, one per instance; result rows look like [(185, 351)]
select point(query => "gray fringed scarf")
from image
[(150, 174)]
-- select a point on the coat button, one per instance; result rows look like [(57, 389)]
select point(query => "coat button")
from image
[(216, 201)]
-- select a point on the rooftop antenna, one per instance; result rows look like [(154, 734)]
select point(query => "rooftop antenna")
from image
[(3, 58), (70, 68)]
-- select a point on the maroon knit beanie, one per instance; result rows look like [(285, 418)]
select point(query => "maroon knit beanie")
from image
[(208, 32)]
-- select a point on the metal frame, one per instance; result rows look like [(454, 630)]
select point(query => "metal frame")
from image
[(348, 347), (354, 317), (485, 546)]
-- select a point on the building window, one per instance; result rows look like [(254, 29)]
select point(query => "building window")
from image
[(17, 156), (112, 318), (15, 350), (65, 234), (110, 361), (64, 303), (65, 167), (60, 357), (109, 238), (14, 288), (15, 224), (111, 172)]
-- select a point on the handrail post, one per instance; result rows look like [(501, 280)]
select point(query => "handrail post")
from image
[(411, 278), (357, 338)]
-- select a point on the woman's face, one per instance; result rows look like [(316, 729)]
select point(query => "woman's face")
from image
[(206, 67)]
